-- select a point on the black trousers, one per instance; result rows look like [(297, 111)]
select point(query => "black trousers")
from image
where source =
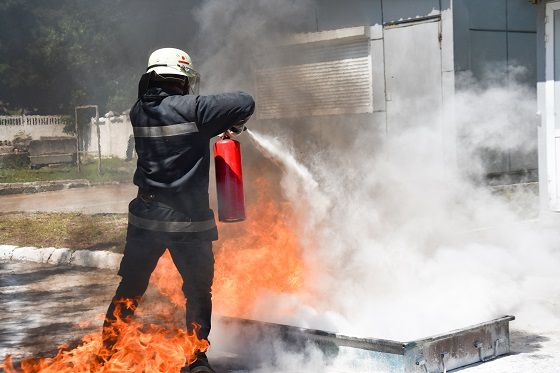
[(194, 261)]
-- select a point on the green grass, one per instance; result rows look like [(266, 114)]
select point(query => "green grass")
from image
[(112, 169), (72, 230)]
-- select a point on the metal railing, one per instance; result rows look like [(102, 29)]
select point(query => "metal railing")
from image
[(32, 120)]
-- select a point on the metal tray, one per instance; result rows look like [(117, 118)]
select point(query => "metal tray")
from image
[(254, 341)]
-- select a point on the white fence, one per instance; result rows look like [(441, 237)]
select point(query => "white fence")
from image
[(114, 133), (34, 125), (31, 120)]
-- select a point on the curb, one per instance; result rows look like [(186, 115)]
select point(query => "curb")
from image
[(52, 255), (48, 186)]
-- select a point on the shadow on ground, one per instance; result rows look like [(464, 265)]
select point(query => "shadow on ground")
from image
[(42, 306)]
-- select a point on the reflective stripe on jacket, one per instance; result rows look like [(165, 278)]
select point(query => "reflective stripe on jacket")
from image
[(172, 139)]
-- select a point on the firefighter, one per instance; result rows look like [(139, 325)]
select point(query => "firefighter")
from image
[(172, 128)]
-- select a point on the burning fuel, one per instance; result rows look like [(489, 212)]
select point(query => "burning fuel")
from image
[(259, 257), (141, 347)]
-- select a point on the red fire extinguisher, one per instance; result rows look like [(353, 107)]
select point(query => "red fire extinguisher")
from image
[(229, 180)]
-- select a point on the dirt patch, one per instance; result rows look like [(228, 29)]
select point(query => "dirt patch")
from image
[(112, 169), (72, 230)]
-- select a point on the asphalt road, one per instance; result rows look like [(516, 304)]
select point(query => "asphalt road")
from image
[(98, 199)]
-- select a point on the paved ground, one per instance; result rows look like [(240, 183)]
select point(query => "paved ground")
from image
[(40, 306), (98, 199)]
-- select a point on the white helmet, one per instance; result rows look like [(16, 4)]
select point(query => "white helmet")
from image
[(172, 61)]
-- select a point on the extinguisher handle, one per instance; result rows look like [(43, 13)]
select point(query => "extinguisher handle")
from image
[(235, 130), (224, 135)]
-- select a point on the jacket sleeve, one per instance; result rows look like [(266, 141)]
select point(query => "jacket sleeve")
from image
[(218, 113)]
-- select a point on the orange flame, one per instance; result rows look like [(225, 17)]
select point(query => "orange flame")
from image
[(141, 347), (259, 255)]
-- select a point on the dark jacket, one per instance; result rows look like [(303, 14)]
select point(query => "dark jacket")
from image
[(172, 135)]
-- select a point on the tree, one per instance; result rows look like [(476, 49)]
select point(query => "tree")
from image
[(60, 53)]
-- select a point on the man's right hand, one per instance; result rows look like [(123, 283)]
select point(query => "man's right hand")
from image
[(236, 129)]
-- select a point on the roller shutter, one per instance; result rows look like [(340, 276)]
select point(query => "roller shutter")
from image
[(322, 78)]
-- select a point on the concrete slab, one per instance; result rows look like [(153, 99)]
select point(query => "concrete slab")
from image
[(6, 251), (62, 256), (98, 259), (47, 253), (28, 253), (59, 255)]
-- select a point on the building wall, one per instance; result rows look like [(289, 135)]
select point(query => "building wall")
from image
[(501, 32), (477, 36), (548, 101), (426, 27), (491, 38), (334, 14), (541, 109)]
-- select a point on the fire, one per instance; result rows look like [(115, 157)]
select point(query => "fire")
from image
[(150, 348), (257, 256)]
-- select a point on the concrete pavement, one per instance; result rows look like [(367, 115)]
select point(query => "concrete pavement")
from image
[(42, 304)]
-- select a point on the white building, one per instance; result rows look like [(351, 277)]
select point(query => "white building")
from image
[(366, 60), (548, 57)]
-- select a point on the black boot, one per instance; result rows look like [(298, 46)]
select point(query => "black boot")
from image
[(200, 365)]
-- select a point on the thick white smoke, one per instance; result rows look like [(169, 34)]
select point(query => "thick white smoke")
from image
[(406, 246), (407, 250), (495, 117)]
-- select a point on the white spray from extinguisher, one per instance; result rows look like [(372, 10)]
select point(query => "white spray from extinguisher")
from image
[(299, 179), (273, 149)]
